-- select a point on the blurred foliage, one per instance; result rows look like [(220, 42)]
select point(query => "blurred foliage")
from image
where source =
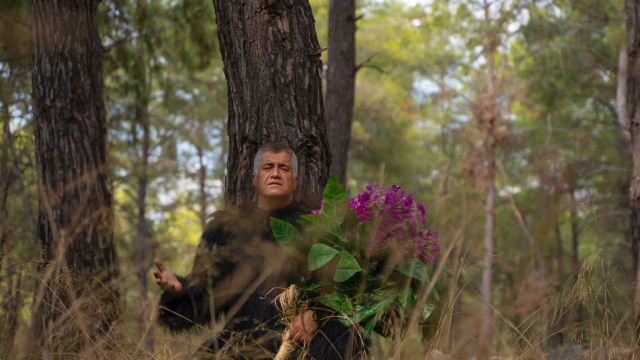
[(422, 70)]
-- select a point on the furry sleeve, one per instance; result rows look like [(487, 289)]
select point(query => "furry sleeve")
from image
[(191, 307)]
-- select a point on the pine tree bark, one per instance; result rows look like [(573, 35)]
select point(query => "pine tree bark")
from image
[(632, 9), (273, 69), (76, 294), (341, 82)]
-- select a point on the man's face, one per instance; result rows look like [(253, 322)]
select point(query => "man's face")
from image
[(275, 176)]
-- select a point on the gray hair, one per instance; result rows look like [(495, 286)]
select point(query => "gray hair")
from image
[(275, 147)]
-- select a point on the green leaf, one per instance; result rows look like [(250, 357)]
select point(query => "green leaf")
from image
[(368, 327), (434, 294), (319, 255), (414, 268), (322, 226), (335, 201), (350, 221), (285, 234), (403, 297), (427, 309), (335, 301), (345, 319), (314, 286), (347, 267), (378, 307)]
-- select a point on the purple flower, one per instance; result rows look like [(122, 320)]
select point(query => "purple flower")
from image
[(401, 221), (319, 211), (420, 207)]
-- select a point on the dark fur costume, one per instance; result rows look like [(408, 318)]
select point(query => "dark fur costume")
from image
[(238, 269)]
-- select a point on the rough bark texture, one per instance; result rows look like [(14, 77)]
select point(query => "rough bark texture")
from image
[(272, 64), (341, 83), (75, 216), (632, 9)]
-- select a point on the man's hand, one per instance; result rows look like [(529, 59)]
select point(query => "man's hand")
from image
[(302, 327), (166, 279)]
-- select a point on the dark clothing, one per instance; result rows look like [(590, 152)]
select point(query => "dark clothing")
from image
[(238, 270)]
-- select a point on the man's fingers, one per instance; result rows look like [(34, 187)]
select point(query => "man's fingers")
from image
[(294, 330), (156, 274), (160, 265)]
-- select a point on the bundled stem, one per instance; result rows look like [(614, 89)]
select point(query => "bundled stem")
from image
[(286, 303)]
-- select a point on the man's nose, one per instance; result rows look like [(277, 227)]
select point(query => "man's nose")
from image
[(275, 172)]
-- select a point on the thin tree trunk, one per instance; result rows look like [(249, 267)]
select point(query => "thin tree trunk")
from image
[(575, 259), (141, 119), (202, 177), (5, 178), (341, 81), (560, 272), (622, 94), (632, 9), (12, 298), (77, 270), (487, 272), (273, 69), (559, 255), (143, 247), (488, 118), (15, 169)]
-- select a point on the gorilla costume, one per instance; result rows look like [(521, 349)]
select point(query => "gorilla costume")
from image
[(238, 270)]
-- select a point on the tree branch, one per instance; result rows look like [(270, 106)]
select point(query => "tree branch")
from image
[(22, 26)]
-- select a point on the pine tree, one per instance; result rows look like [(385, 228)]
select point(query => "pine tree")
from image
[(272, 64), (76, 293)]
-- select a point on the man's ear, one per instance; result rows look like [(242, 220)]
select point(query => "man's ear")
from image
[(253, 179)]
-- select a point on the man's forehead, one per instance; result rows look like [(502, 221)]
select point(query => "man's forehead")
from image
[(271, 157)]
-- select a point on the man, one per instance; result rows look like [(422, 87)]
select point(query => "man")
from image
[(238, 269)]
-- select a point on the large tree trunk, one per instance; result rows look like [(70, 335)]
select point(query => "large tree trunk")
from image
[(76, 298), (272, 64), (632, 9), (341, 82)]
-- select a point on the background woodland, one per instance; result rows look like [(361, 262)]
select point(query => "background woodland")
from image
[(509, 119)]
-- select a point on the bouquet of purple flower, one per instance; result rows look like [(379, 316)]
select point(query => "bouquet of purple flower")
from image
[(364, 257)]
